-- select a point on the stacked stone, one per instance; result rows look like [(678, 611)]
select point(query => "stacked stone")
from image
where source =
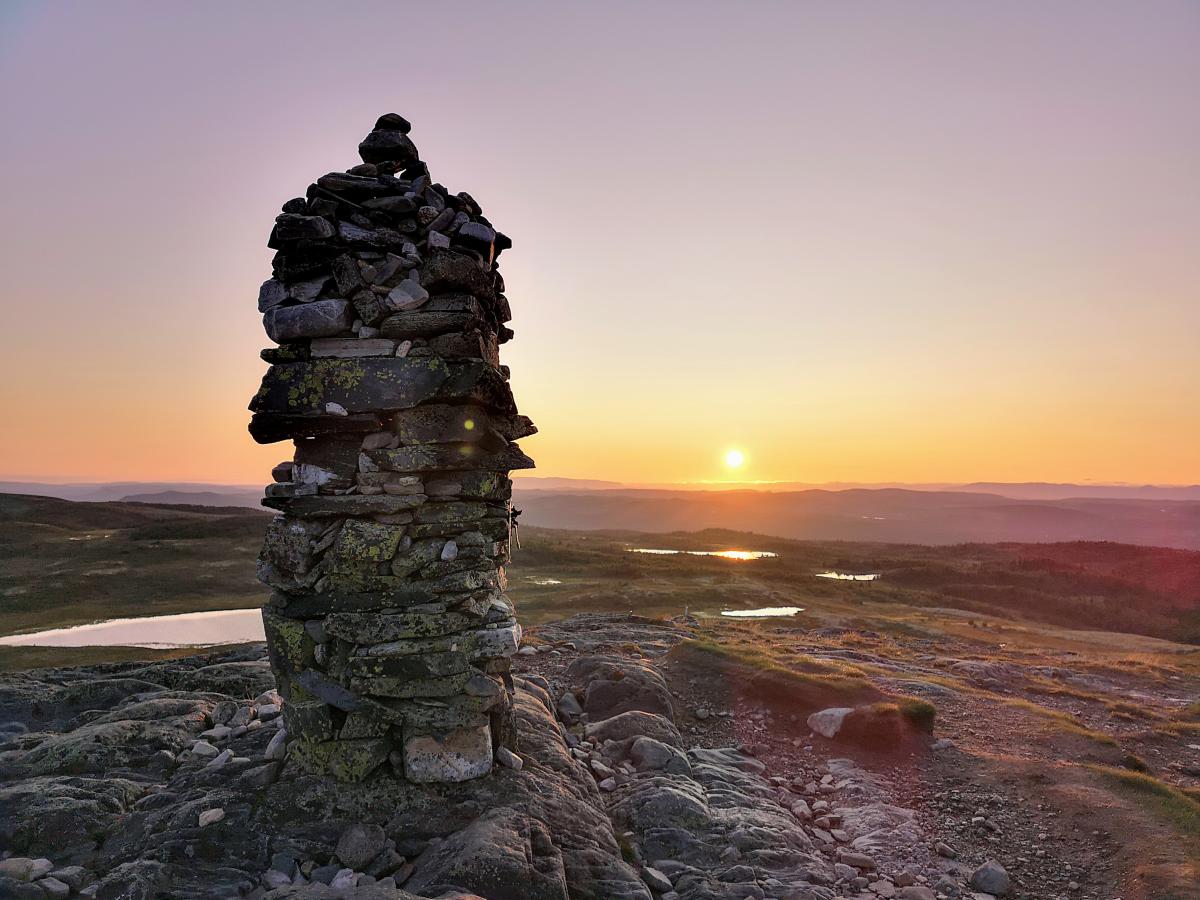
[(388, 626)]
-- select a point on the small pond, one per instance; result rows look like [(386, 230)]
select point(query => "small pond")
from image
[(845, 576), (202, 629)]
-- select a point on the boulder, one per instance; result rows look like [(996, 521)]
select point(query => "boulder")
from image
[(613, 685), (991, 878), (503, 855), (828, 722), (359, 844), (632, 724)]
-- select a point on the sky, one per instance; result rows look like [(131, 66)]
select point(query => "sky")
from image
[(853, 241)]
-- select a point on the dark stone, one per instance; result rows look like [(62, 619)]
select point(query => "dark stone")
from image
[(267, 428), (271, 294), (393, 122), (395, 205), (321, 318), (448, 270), (381, 238), (297, 264), (359, 844), (348, 505), (432, 457), (289, 227), (291, 352), (336, 453), (441, 423), (425, 323), (327, 691), (346, 275), (613, 685), (357, 186), (477, 237), (383, 145)]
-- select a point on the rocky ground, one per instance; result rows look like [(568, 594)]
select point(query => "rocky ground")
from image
[(644, 769)]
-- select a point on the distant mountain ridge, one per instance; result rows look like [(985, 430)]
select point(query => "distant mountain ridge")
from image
[(250, 493), (250, 498), (885, 515)]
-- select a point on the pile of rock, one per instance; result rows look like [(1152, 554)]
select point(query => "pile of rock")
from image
[(39, 879), (388, 627)]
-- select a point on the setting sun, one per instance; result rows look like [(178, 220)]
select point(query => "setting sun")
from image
[(734, 459)]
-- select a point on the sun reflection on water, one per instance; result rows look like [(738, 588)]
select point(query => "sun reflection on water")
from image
[(723, 554)]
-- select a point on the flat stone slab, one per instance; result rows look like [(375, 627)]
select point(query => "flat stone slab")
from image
[(341, 387)]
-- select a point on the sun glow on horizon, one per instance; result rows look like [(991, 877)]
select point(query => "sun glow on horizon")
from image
[(735, 459)]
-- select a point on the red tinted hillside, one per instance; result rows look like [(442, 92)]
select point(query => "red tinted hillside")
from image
[(1172, 574)]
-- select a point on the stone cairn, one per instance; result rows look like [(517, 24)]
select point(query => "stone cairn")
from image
[(388, 627)]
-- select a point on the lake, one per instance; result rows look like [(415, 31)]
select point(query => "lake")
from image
[(765, 612), (222, 626), (723, 554)]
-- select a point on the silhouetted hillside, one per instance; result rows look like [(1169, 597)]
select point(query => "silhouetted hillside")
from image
[(889, 515)]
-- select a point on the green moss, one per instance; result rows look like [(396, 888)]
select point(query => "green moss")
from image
[(310, 382), (361, 546), (348, 760), (289, 641)]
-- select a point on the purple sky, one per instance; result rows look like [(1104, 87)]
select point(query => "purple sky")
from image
[(924, 241)]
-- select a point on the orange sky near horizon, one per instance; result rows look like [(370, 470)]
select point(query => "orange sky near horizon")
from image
[(925, 242)]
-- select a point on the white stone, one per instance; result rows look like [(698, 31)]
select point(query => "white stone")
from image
[(335, 409), (656, 880), (209, 816), (277, 747), (305, 473), (345, 878), (204, 748), (458, 756), (828, 722)]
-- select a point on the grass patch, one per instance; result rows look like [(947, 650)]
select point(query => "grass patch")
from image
[(919, 713), (802, 670), (15, 659), (1062, 721), (1134, 763), (816, 684), (1177, 808)]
